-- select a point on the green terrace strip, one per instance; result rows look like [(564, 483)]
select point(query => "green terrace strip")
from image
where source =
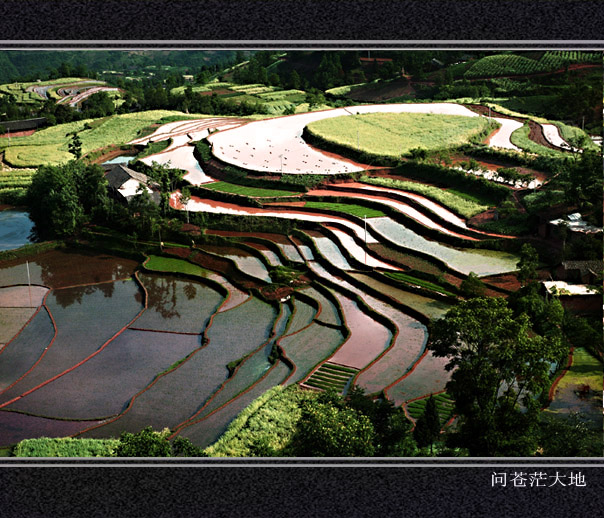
[(520, 138), (444, 406), (408, 279), (167, 264), (460, 203), (345, 208), (329, 376), (50, 145), (394, 134), (254, 192), (567, 132)]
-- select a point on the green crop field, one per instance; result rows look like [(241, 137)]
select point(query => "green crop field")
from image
[(394, 134), (346, 208), (243, 190), (167, 264), (509, 64), (520, 138), (50, 146), (457, 203), (408, 279)]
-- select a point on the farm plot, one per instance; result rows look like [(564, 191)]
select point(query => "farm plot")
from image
[(331, 376), (15, 427), (22, 296), (62, 268), (208, 430), (580, 389), (216, 207), (279, 140), (368, 338), (86, 318), (358, 252), (20, 355), (444, 407), (247, 373), (393, 134), (551, 133), (236, 296), (11, 321), (309, 347), (269, 255), (181, 158), (177, 305), (331, 252), (329, 314), (245, 261), (454, 204), (481, 262), (173, 265), (425, 305), (428, 377), (103, 385), (174, 397), (302, 316), (50, 147)]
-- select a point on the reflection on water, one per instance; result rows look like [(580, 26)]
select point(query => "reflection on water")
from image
[(15, 229)]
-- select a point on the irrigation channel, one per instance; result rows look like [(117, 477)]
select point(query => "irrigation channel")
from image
[(92, 345)]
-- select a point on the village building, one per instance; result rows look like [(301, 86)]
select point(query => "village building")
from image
[(124, 183)]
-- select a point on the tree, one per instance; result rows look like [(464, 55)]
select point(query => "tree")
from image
[(146, 443), (472, 286), (327, 428), (529, 260), (427, 428), (499, 371), (53, 202), (75, 146)]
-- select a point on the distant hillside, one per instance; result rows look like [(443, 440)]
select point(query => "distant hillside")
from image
[(22, 64)]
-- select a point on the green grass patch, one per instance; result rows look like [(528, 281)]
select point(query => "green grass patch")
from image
[(520, 138), (461, 203), (345, 208), (168, 264), (271, 418), (395, 134), (153, 148), (243, 190), (585, 370), (408, 279), (65, 447), (444, 406)]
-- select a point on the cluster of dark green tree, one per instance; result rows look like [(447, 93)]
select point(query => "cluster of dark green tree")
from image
[(150, 443), (63, 198), (502, 356)]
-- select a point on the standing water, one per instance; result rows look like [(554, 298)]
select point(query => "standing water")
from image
[(15, 229)]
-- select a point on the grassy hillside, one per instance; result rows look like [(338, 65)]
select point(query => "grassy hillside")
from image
[(50, 145)]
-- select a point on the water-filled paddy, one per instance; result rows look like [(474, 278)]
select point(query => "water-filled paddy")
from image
[(481, 262), (86, 318), (103, 385), (178, 305), (61, 268), (15, 229), (245, 261)]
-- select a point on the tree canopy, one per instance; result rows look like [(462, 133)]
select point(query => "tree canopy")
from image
[(500, 370)]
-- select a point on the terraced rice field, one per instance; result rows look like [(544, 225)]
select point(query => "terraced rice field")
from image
[(481, 262), (276, 145)]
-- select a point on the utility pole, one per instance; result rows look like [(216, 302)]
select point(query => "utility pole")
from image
[(365, 220), (28, 283)]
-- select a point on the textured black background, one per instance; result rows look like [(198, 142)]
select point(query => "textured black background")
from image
[(302, 19), (302, 490)]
